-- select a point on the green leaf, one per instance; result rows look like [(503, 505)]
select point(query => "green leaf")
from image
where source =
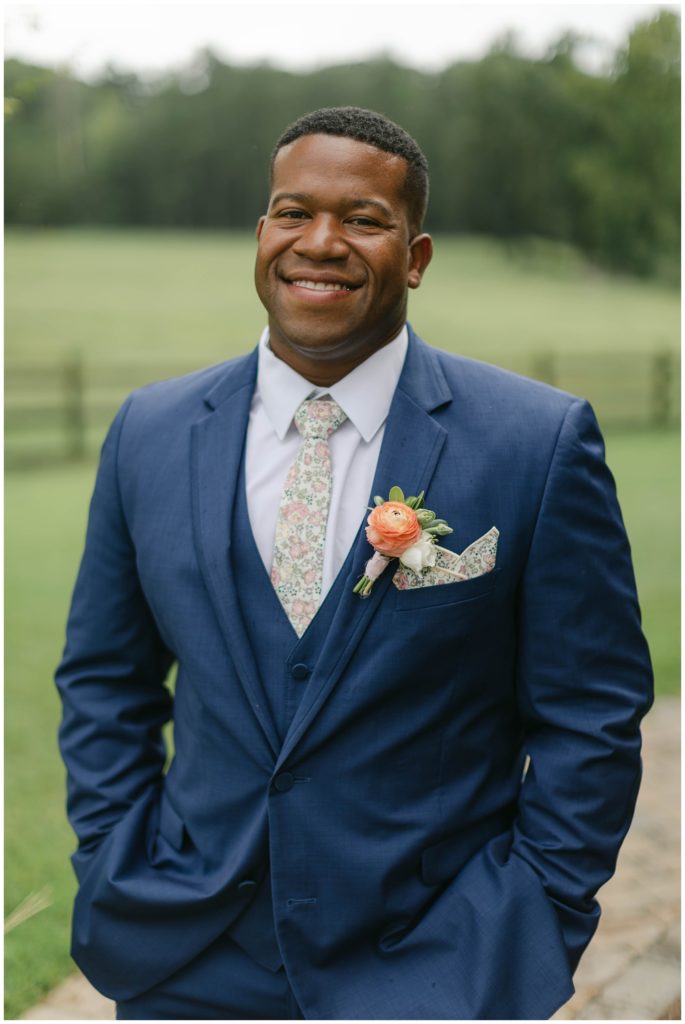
[(377, 500), (411, 502), (419, 500), (425, 516), (396, 494), (439, 528)]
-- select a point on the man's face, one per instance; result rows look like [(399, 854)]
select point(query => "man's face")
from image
[(335, 254)]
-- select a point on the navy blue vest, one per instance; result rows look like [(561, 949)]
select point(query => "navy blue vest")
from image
[(284, 663)]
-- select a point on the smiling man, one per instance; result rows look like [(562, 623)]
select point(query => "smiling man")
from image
[(338, 248), (346, 829)]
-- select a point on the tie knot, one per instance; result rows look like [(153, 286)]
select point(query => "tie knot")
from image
[(319, 418)]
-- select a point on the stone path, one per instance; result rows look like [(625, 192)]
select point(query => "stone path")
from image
[(631, 970)]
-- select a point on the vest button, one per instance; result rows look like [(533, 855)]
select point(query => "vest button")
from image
[(284, 782), (247, 887), (300, 671)]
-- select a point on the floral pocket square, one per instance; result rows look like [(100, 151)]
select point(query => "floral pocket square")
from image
[(476, 560)]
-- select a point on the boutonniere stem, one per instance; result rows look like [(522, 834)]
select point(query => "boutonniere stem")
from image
[(401, 528)]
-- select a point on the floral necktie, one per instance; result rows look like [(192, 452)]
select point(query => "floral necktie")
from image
[(297, 567)]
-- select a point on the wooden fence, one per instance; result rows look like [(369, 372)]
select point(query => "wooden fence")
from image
[(59, 413)]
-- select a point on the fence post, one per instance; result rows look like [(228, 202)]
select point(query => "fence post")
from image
[(74, 407), (662, 371), (544, 367)]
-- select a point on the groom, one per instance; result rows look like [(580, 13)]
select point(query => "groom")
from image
[(398, 806)]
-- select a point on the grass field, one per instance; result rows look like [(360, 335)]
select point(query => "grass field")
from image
[(189, 298), (165, 296)]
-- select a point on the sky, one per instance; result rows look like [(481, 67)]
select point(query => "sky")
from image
[(151, 37)]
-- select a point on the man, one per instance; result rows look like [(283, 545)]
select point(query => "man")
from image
[(345, 831)]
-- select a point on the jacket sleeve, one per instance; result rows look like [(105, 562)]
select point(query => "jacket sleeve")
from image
[(584, 682), (111, 677)]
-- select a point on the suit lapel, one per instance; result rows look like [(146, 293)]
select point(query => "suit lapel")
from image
[(217, 445), (409, 455)]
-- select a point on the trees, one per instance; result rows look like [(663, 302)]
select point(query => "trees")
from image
[(517, 147), (628, 180)]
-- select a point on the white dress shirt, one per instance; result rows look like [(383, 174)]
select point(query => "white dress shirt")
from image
[(273, 441)]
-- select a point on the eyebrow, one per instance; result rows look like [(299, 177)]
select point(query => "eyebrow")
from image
[(353, 204)]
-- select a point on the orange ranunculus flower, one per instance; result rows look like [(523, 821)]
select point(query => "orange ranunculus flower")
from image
[(393, 527)]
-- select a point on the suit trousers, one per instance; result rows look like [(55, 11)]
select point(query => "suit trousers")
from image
[(223, 983)]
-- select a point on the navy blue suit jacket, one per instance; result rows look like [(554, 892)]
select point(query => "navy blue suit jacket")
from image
[(415, 875)]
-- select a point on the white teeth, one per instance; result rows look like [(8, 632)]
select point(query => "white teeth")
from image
[(322, 286)]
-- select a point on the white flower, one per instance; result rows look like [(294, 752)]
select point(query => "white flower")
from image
[(420, 555)]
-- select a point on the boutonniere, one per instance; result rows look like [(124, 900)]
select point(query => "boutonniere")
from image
[(400, 528)]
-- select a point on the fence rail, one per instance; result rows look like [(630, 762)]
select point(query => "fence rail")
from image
[(59, 412)]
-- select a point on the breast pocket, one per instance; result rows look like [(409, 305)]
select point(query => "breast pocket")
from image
[(447, 595)]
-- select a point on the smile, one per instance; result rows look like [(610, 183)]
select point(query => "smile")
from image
[(321, 286), (312, 292)]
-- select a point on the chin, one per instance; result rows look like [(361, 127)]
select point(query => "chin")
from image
[(321, 346)]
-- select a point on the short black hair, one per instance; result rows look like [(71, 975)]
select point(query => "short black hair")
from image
[(376, 130)]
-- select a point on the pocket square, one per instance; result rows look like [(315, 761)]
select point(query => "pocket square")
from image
[(475, 560)]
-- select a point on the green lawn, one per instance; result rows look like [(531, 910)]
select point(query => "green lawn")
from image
[(169, 296), (170, 300), (44, 521), (647, 471)]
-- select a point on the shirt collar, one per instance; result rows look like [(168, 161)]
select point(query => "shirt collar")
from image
[(364, 395)]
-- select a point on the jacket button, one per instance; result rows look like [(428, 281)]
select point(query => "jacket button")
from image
[(284, 782), (300, 671), (247, 887)]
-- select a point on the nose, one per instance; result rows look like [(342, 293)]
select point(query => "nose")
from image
[(321, 239)]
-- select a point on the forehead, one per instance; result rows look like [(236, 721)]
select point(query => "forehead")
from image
[(332, 164)]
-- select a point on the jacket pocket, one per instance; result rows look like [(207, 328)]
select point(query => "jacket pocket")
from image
[(446, 595), (171, 825), (83, 858), (444, 860)]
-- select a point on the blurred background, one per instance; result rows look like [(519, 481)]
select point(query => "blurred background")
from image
[(137, 141)]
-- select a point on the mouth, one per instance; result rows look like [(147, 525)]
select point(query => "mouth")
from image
[(321, 286), (320, 289)]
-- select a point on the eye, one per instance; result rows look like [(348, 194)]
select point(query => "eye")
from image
[(364, 222), (292, 214)]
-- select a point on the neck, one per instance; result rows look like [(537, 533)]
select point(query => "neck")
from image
[(326, 367)]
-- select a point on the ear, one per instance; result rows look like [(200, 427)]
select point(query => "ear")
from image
[(260, 225), (420, 253)]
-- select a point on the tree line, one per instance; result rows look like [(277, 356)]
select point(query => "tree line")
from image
[(517, 147)]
